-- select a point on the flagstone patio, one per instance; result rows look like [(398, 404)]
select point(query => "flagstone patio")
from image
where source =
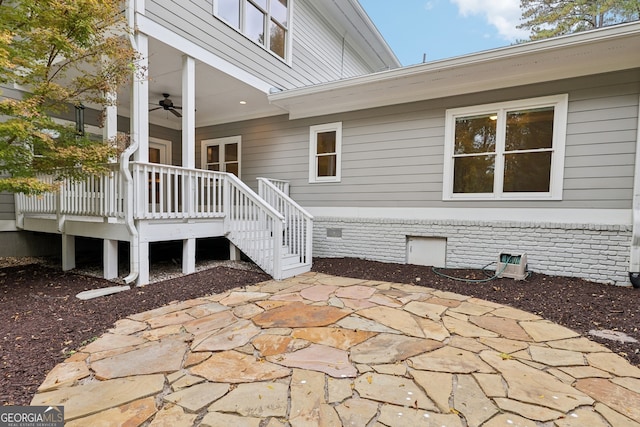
[(319, 350)]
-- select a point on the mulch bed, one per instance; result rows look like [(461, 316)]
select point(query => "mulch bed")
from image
[(42, 321)]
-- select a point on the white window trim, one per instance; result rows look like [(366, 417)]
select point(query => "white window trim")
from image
[(289, 38), (221, 142), (560, 104), (313, 148)]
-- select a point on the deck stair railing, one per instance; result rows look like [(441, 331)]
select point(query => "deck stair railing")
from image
[(269, 228), (254, 226), (298, 224)]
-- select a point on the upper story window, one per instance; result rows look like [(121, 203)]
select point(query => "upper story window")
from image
[(507, 151), (266, 22), (325, 152)]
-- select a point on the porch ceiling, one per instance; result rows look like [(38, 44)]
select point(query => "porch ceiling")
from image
[(593, 52), (218, 94)]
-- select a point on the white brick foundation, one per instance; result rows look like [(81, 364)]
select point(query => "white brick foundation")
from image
[(598, 253)]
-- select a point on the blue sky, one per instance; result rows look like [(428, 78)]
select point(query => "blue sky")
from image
[(444, 28)]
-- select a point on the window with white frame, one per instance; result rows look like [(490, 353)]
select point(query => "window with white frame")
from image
[(222, 154), (325, 152), (507, 151), (266, 22)]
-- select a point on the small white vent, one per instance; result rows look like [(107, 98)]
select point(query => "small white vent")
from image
[(513, 266)]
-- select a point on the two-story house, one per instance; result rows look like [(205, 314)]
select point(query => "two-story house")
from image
[(288, 126)]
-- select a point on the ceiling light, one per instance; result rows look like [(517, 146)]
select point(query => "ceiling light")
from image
[(243, 102)]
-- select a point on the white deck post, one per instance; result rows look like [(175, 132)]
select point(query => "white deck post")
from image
[(189, 256), (189, 153), (143, 274), (234, 252), (110, 259), (68, 252)]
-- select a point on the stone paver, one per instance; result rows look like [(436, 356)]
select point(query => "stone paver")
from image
[(318, 350)]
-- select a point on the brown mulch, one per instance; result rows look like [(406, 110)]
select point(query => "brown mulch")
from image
[(41, 321)]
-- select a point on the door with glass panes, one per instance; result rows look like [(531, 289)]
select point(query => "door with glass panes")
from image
[(222, 154)]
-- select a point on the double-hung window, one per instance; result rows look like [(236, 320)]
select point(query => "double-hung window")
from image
[(325, 152), (266, 22), (506, 151)]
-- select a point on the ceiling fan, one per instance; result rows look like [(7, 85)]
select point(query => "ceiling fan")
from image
[(167, 105)]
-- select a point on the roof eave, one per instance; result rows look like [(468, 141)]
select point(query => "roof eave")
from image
[(593, 52)]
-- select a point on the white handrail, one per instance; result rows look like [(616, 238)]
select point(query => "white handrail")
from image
[(280, 184), (265, 230), (167, 191), (254, 226), (298, 223), (97, 195)]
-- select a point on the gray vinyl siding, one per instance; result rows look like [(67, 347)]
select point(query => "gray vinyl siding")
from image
[(321, 52), (317, 54), (7, 205), (393, 156)]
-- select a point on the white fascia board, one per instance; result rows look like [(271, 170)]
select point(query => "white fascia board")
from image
[(531, 215), (503, 67), (168, 37)]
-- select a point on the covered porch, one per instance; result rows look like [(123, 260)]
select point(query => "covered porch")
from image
[(142, 203), (174, 193)]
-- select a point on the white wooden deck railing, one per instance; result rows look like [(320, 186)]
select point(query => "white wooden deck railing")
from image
[(263, 227), (165, 191), (298, 223), (96, 196), (254, 226)]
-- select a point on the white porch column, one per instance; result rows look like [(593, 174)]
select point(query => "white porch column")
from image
[(189, 151), (188, 112), (68, 252), (139, 252), (109, 134), (140, 104)]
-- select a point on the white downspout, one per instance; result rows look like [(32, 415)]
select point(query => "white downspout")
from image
[(634, 262), (134, 256)]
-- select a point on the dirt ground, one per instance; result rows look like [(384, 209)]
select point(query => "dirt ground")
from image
[(42, 321)]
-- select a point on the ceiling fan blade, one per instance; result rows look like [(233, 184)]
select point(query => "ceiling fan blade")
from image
[(154, 109), (175, 113), (175, 106)]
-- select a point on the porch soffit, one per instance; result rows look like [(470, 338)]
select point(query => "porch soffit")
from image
[(220, 86), (609, 49)]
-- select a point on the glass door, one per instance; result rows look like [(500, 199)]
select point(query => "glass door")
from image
[(222, 154)]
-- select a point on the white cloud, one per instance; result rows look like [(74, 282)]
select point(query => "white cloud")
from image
[(502, 14)]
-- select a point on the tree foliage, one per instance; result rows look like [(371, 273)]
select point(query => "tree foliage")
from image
[(60, 54), (548, 18)]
